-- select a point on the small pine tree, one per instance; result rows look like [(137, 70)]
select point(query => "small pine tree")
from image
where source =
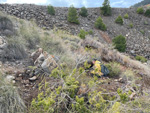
[(147, 13), (72, 15), (140, 10), (106, 9), (100, 25), (51, 10), (84, 12), (119, 20), (120, 43)]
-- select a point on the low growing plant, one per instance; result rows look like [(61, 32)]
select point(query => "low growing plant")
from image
[(126, 16), (131, 25), (91, 32), (141, 58), (119, 20), (140, 10), (147, 13), (114, 69), (82, 34)]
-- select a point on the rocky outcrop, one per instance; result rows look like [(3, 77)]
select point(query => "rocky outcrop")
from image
[(138, 37), (10, 51)]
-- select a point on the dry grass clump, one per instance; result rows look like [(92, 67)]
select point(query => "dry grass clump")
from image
[(114, 69), (10, 101)]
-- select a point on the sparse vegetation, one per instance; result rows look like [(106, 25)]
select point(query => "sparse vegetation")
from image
[(126, 16), (145, 23), (72, 15), (120, 43), (143, 32), (84, 12), (51, 10), (70, 88), (10, 100), (147, 13), (119, 20), (91, 32), (141, 58), (106, 9), (131, 25), (82, 34), (140, 10), (100, 25)]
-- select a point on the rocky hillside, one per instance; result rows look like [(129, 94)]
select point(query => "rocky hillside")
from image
[(138, 37), (142, 3), (47, 70)]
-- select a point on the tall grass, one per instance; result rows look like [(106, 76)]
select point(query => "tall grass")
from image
[(10, 101)]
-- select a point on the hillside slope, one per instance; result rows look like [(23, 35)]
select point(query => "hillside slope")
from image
[(137, 37), (69, 87), (142, 3)]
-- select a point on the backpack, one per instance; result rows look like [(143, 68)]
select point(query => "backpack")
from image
[(104, 70)]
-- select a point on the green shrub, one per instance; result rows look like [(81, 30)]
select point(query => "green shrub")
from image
[(143, 32), (120, 43), (140, 10), (106, 9), (114, 69), (84, 12), (91, 32), (100, 25), (119, 20), (82, 34), (51, 10), (126, 16), (147, 13), (145, 23), (123, 96), (72, 15), (131, 25), (141, 58)]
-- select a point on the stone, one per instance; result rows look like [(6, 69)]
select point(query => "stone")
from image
[(33, 78), (9, 78)]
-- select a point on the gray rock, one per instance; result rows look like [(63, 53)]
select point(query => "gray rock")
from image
[(9, 78)]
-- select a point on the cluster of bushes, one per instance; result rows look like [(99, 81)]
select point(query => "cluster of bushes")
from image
[(73, 16), (140, 10), (71, 95), (83, 33)]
